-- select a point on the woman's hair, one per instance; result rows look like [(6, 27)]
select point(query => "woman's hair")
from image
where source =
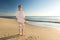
[(19, 6)]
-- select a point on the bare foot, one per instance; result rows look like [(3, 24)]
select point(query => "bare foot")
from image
[(21, 34)]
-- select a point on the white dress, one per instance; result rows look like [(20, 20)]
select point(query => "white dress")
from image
[(20, 17)]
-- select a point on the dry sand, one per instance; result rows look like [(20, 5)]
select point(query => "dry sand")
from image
[(9, 31)]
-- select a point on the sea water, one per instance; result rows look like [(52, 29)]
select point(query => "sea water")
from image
[(45, 24)]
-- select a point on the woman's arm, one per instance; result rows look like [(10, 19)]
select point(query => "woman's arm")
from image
[(25, 20)]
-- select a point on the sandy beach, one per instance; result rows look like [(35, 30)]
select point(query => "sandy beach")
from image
[(9, 31)]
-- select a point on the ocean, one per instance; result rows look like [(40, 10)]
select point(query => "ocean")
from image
[(41, 21)]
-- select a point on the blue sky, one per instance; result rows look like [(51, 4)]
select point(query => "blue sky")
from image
[(30, 7)]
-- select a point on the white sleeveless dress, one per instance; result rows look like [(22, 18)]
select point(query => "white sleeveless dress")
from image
[(20, 17)]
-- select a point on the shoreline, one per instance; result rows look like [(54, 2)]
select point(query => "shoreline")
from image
[(34, 20)]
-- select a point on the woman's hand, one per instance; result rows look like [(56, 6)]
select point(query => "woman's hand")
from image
[(25, 20)]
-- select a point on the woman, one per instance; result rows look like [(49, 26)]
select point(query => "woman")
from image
[(20, 19)]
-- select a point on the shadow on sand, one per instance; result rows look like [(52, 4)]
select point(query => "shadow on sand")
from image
[(9, 37)]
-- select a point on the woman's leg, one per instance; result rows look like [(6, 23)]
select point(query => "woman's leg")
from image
[(19, 27), (22, 29)]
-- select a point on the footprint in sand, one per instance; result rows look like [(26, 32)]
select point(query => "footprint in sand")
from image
[(31, 38)]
